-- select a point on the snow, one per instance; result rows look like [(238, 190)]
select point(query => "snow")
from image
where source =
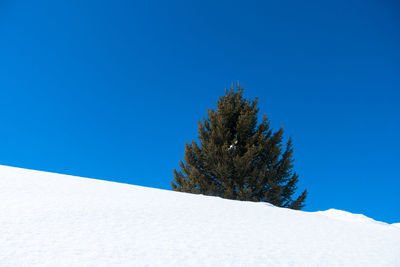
[(347, 216), (49, 219), (233, 146)]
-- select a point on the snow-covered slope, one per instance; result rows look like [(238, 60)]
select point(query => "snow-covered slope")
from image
[(50, 219)]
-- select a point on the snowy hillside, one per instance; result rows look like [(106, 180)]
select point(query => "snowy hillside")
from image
[(50, 219)]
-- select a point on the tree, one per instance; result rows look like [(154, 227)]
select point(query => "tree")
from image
[(237, 158)]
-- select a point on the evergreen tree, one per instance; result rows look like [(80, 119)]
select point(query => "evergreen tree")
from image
[(237, 158)]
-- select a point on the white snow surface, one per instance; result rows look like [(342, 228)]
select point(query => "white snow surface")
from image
[(49, 219)]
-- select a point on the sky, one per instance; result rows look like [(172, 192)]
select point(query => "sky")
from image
[(113, 89)]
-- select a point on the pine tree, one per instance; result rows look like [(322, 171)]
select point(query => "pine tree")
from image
[(237, 158)]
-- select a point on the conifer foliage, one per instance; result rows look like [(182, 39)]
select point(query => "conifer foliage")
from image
[(237, 158)]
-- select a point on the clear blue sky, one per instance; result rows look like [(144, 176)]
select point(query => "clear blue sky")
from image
[(113, 89)]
